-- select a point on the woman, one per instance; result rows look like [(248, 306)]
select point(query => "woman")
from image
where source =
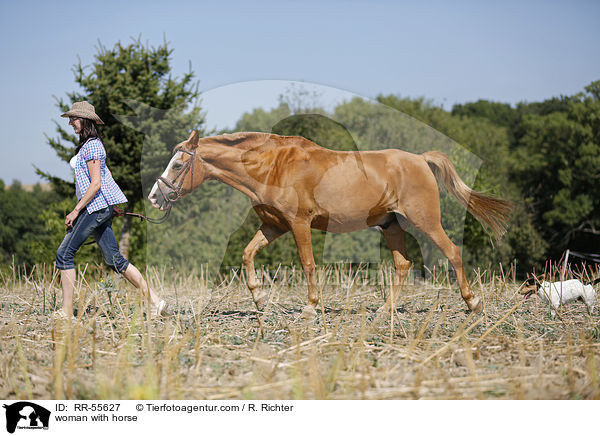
[(97, 192)]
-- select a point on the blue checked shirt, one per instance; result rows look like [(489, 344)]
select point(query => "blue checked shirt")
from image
[(109, 192)]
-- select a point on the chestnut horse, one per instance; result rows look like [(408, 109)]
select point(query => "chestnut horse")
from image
[(295, 185)]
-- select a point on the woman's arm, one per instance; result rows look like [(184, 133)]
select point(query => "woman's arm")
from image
[(94, 169)]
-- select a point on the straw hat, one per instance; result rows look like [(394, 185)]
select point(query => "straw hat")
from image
[(83, 109)]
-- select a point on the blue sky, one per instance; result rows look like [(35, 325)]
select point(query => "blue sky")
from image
[(245, 53)]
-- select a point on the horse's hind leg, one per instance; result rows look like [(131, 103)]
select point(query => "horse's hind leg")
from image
[(263, 237), (433, 229), (437, 234), (394, 238)]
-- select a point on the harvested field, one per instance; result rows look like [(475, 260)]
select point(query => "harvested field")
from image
[(214, 346)]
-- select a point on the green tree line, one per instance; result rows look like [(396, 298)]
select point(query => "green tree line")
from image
[(543, 156)]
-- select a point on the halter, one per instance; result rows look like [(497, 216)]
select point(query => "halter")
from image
[(176, 189)]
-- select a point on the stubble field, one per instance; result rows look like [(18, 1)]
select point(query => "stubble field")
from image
[(214, 345)]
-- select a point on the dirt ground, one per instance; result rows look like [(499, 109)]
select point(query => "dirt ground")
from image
[(214, 345)]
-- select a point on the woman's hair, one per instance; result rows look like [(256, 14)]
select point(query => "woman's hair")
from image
[(89, 130)]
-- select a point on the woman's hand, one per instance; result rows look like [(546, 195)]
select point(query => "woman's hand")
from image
[(71, 218)]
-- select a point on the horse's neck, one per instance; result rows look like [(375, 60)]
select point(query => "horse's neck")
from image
[(225, 165)]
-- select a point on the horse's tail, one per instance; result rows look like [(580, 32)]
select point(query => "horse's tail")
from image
[(491, 212)]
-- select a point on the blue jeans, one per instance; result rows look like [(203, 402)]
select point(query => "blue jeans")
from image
[(99, 224)]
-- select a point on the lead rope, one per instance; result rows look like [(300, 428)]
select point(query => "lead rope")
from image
[(120, 212)]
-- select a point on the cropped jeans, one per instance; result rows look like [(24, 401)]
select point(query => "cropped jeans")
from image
[(98, 224)]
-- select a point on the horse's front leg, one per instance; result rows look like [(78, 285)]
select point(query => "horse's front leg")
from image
[(263, 237), (304, 243)]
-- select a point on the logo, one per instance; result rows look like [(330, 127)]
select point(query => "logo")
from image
[(26, 415)]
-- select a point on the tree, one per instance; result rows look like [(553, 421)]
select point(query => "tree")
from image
[(260, 120), (145, 110), (21, 226), (558, 165)]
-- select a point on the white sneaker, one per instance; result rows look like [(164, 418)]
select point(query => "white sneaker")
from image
[(160, 309)]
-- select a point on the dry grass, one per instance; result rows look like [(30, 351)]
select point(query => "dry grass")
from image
[(213, 346)]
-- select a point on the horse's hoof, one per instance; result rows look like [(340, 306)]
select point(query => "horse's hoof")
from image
[(261, 301), (309, 312), (253, 286), (475, 305)]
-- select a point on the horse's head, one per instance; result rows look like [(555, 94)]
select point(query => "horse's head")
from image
[(184, 172)]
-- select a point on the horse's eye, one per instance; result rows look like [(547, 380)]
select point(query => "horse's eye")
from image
[(177, 166)]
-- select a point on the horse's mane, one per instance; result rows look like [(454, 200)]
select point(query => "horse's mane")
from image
[(255, 140), (242, 140)]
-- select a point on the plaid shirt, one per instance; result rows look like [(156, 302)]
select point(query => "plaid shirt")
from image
[(109, 192)]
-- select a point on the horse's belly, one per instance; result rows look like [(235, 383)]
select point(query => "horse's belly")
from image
[(350, 200), (340, 224)]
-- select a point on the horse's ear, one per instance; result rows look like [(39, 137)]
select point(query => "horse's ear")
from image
[(193, 139)]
